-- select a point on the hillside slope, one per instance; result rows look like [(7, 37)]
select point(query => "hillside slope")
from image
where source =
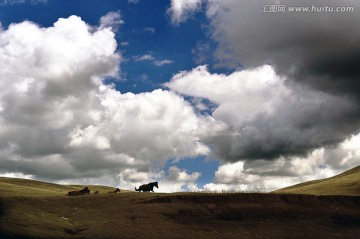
[(26, 187), (346, 183), (32, 209)]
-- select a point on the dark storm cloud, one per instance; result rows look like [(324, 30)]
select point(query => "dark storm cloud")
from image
[(295, 128), (320, 48), (317, 52)]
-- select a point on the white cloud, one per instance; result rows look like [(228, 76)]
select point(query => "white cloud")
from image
[(233, 177), (163, 62), (146, 57), (59, 121), (112, 20), (150, 57), (180, 10), (220, 88), (222, 188), (151, 122), (15, 175), (344, 156), (268, 175)]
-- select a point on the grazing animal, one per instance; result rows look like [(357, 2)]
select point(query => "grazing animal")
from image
[(147, 187), (83, 191), (96, 192), (115, 191)]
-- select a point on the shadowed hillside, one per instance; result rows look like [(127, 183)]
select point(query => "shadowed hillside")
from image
[(347, 183), (31, 209)]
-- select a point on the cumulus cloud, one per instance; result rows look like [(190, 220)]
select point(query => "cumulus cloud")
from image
[(180, 10), (47, 80), (267, 116), (59, 121)]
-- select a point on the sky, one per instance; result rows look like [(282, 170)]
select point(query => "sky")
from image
[(231, 95)]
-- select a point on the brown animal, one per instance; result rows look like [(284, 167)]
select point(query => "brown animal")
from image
[(147, 187), (115, 191), (96, 192), (83, 191)]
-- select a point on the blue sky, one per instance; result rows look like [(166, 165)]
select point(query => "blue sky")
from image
[(196, 94)]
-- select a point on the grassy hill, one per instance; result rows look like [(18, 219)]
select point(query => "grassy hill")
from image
[(25, 187), (347, 183), (32, 209)]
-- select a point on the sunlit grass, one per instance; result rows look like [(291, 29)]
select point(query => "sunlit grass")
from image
[(347, 183)]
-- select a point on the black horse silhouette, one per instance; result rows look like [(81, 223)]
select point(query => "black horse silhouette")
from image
[(115, 191), (83, 191), (147, 187)]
